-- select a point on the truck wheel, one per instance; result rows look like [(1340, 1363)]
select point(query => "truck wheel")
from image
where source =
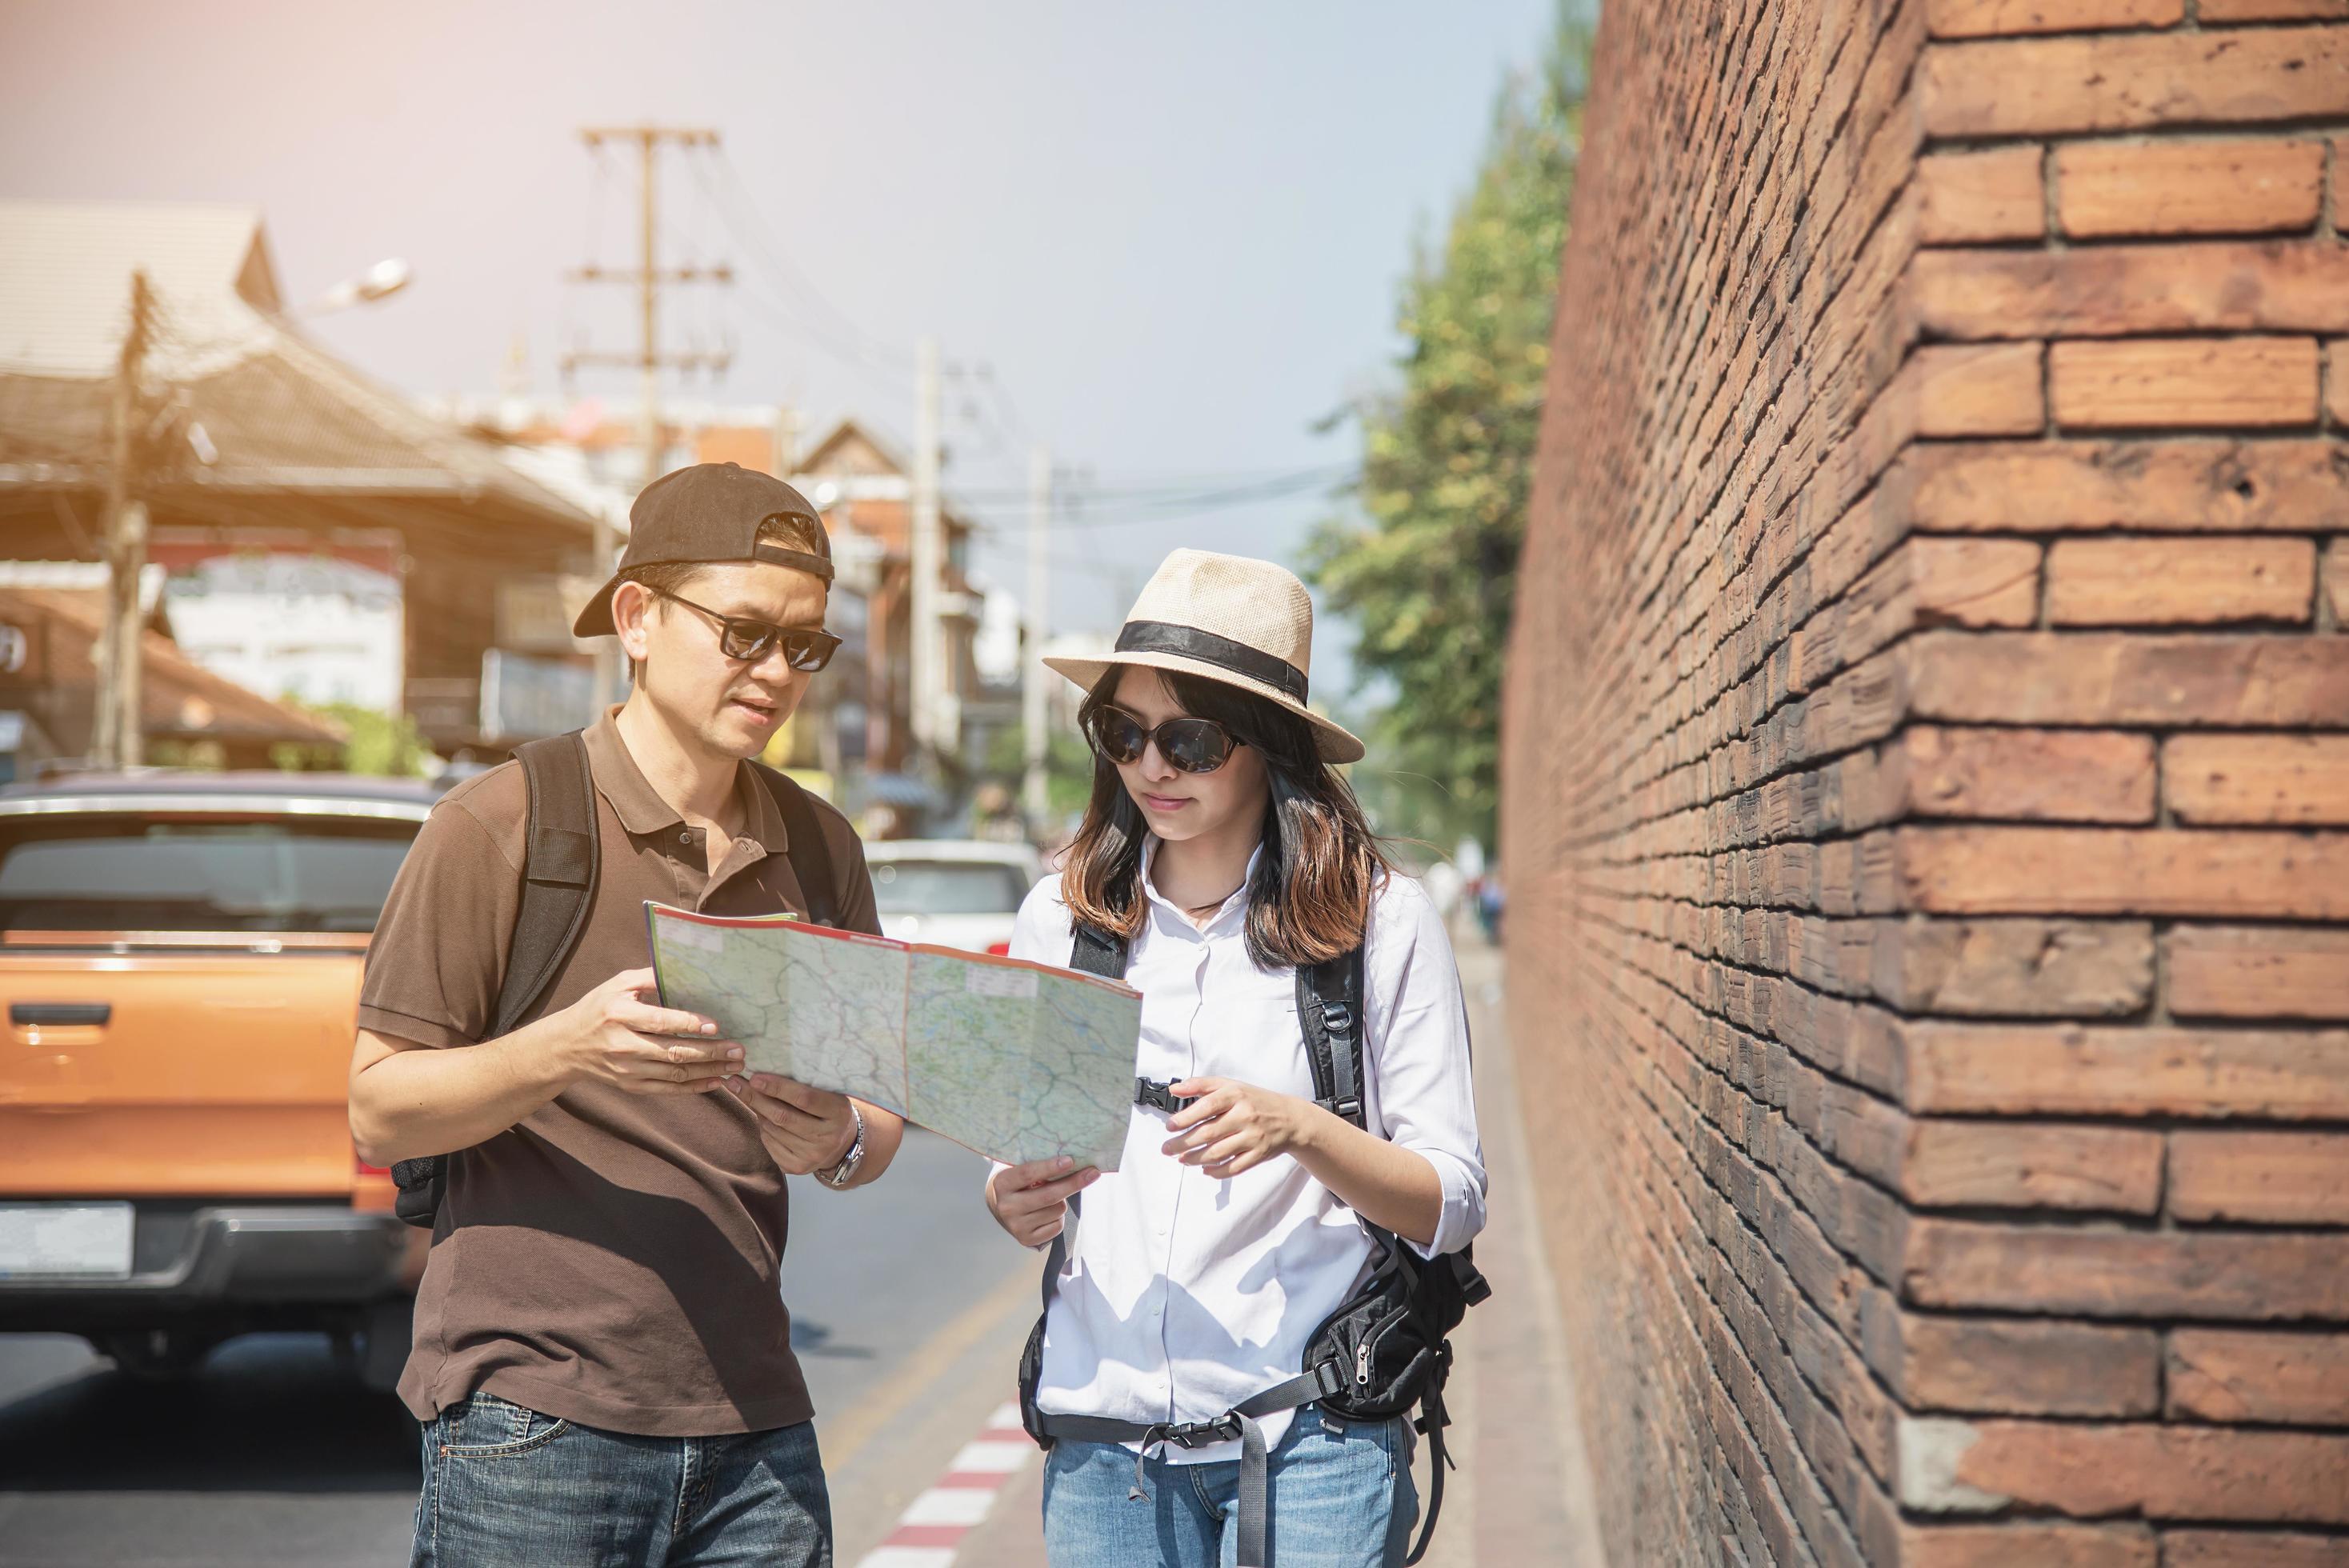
[(383, 1343), (157, 1355)]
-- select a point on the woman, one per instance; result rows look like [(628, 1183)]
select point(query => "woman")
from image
[(1224, 852)]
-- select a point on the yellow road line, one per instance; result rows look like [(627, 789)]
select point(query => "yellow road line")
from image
[(910, 1381)]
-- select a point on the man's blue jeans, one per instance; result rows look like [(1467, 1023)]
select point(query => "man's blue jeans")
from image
[(508, 1488), (1339, 1495)]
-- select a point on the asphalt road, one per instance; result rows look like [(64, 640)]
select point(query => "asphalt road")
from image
[(907, 1305)]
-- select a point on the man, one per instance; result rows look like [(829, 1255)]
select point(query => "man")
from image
[(602, 1356)]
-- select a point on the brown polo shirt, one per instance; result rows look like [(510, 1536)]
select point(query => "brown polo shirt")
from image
[(612, 1259)]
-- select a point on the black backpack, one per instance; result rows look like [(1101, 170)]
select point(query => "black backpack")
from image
[(559, 866), (1382, 1350)]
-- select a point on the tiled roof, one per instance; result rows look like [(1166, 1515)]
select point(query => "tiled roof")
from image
[(277, 412), (177, 695)]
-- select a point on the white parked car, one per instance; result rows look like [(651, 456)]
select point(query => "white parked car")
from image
[(956, 892)]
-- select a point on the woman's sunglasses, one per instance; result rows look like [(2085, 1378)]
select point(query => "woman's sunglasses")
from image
[(804, 647), (1189, 744)]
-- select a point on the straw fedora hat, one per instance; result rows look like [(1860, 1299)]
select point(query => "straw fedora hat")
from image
[(1246, 623)]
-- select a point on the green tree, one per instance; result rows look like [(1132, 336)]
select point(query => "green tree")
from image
[(375, 743), (1428, 569)]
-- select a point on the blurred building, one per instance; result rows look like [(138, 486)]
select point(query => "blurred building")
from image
[(865, 489), (324, 538), (49, 622)]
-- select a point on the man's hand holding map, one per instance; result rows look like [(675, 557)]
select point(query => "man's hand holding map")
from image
[(1014, 1060)]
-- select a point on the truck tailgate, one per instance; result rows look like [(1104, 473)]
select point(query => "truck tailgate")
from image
[(148, 1073)]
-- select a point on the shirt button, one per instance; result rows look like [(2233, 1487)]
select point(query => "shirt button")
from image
[(686, 837)]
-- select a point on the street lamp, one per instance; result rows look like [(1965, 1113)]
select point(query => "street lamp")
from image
[(381, 281)]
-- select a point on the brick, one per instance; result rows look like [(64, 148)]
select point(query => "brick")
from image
[(2157, 1471), (2257, 778), (1970, 1164), (2012, 968), (2179, 582), (2226, 680), (2239, 382), (2335, 584), (2256, 972), (2027, 1542), (2253, 1276), (2193, 485), (2251, 1549), (2032, 775), (2289, 1378), (2132, 81), (2126, 290), (2106, 190), (2125, 871), (1810, 815), (1980, 389), (1970, 198), (2262, 1177), (2273, 10), (2093, 1070), (1991, 18), (1989, 1366)]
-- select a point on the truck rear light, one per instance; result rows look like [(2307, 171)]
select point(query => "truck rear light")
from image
[(372, 1187), (1000, 949)]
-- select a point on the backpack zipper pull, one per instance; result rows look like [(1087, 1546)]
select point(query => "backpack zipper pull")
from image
[(1362, 1363)]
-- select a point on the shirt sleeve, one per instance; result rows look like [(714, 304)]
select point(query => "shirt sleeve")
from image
[(1419, 1051), (1039, 933), (437, 958)]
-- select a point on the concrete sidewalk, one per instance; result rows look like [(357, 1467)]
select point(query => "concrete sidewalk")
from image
[(1521, 1491)]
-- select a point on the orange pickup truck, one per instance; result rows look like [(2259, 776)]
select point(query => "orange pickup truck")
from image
[(179, 959)]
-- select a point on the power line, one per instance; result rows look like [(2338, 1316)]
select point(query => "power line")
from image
[(827, 323)]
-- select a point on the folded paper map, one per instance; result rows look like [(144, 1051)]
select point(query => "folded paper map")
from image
[(1016, 1060)]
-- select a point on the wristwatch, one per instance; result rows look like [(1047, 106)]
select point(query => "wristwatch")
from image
[(842, 1174)]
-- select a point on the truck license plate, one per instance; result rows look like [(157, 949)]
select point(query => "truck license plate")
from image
[(80, 1241)]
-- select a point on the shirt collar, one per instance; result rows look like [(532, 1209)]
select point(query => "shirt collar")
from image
[(1237, 900), (641, 807)]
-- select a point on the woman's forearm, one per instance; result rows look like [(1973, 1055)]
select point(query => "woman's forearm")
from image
[(1387, 1184)]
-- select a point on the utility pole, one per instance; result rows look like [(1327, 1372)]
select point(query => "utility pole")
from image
[(649, 276), (116, 729), (1031, 663), (926, 642)]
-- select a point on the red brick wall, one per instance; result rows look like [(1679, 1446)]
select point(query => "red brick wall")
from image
[(1926, 800)]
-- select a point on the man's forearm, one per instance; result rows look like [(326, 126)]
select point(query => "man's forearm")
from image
[(884, 1130), (419, 1101)]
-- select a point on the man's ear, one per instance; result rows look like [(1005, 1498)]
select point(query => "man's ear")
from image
[(632, 606)]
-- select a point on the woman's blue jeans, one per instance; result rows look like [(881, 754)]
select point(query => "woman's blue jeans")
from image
[(1341, 1495)]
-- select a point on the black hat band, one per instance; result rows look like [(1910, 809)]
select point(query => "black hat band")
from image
[(1166, 637)]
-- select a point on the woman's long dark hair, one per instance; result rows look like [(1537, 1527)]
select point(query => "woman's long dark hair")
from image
[(1310, 896)]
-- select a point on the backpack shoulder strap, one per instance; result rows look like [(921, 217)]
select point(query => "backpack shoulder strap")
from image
[(559, 861), (1101, 952), (1330, 1011), (811, 856)]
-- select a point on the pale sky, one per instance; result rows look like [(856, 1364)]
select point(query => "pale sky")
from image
[(1173, 232)]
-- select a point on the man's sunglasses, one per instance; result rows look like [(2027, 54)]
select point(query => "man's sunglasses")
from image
[(1189, 744), (805, 648)]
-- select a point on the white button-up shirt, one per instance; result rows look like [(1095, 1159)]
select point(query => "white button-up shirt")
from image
[(1184, 1293)]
